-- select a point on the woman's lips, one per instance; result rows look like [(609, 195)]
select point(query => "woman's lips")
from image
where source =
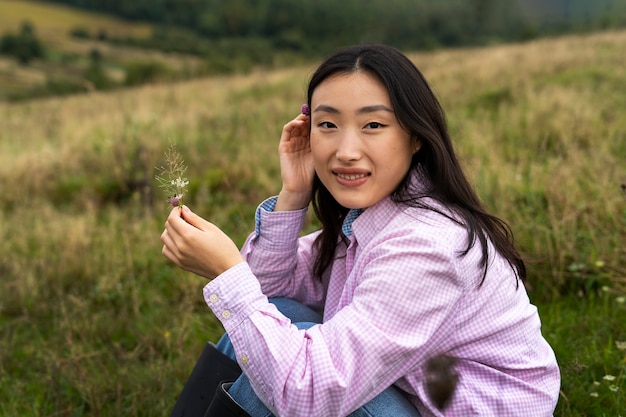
[(351, 178)]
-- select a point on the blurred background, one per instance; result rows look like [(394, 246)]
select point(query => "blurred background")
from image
[(69, 46)]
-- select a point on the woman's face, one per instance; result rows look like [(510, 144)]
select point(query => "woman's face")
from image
[(360, 151)]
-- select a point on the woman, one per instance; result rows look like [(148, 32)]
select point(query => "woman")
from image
[(408, 267)]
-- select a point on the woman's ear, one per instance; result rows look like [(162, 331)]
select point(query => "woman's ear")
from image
[(418, 145)]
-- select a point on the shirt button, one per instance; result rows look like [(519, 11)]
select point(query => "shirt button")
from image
[(226, 314), (214, 298), (244, 359)]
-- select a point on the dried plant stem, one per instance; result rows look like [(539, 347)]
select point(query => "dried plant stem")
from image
[(171, 176)]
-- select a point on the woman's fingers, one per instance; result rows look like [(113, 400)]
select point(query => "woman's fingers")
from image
[(295, 130), (196, 245)]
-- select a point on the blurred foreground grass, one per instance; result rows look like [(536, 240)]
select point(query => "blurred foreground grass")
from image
[(94, 321)]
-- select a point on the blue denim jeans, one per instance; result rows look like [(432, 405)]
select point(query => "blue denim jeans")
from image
[(389, 403)]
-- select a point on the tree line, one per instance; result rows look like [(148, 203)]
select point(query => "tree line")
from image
[(238, 35), (313, 26)]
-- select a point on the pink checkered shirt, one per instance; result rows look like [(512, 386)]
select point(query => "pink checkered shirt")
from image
[(397, 295)]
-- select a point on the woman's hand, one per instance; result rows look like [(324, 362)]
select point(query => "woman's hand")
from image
[(196, 245), (296, 165)]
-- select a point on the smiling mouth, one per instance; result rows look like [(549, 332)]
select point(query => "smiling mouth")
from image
[(351, 177)]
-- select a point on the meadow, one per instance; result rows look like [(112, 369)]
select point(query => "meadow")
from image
[(78, 55), (94, 321)]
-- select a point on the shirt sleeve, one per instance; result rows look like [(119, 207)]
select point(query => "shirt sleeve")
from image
[(281, 260), (335, 367)]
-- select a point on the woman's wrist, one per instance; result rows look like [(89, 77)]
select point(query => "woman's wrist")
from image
[(290, 200)]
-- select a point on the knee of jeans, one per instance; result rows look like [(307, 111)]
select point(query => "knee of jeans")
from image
[(225, 346), (303, 325), (284, 304), (295, 310), (390, 402)]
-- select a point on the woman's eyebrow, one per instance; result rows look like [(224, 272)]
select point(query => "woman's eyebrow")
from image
[(362, 110), (374, 108), (325, 108)]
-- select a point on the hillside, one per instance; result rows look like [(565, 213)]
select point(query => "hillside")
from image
[(69, 58), (60, 47), (55, 21)]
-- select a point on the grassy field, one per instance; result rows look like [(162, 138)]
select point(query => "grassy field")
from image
[(67, 58), (95, 322), (56, 21)]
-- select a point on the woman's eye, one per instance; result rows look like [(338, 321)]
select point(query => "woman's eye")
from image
[(374, 125), (326, 125)]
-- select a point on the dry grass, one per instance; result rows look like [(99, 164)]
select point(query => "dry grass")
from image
[(54, 22), (66, 55), (540, 128)]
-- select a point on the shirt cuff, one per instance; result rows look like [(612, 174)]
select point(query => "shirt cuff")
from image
[(234, 295), (267, 206), (277, 230)]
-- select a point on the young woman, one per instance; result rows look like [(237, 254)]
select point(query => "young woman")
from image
[(418, 286)]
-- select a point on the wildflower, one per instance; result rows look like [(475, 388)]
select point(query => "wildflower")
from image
[(621, 345), (180, 183), (172, 178), (613, 388), (608, 378), (593, 394), (599, 264), (167, 334), (305, 110), (620, 300)]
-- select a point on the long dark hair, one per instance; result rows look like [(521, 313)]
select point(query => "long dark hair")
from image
[(419, 112)]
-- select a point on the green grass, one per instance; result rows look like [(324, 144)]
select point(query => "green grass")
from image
[(94, 321), (588, 335)]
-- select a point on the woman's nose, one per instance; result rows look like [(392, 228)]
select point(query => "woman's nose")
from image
[(349, 147)]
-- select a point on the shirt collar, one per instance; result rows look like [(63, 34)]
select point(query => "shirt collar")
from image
[(374, 219), (352, 215), (377, 217)]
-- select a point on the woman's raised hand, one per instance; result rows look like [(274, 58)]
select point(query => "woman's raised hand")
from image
[(296, 165), (196, 245)]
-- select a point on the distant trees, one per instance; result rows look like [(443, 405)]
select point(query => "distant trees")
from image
[(309, 26), (25, 46), (238, 35)]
